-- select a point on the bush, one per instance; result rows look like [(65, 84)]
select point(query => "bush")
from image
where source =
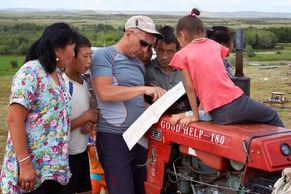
[(249, 51), (13, 63), (260, 38)]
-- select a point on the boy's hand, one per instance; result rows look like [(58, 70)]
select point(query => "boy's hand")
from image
[(88, 128), (175, 118), (92, 115)]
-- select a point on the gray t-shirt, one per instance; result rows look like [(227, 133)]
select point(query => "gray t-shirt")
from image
[(116, 117), (155, 75)]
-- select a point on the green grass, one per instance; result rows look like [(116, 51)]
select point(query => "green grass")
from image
[(285, 45), (5, 66), (281, 52), (279, 47), (284, 56), (5, 83)]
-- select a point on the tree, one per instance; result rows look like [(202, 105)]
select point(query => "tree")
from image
[(266, 40), (260, 38)]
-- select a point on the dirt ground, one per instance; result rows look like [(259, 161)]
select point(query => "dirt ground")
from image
[(268, 79)]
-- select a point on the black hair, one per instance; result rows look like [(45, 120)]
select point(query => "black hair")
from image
[(191, 24), (220, 34), (81, 41), (57, 35), (169, 35)]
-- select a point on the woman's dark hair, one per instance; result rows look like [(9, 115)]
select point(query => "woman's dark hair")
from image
[(81, 41), (220, 34), (168, 33), (57, 35), (191, 24)]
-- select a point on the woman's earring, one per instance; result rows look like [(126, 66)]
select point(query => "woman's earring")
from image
[(57, 59)]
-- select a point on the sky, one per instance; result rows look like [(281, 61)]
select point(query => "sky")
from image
[(154, 5)]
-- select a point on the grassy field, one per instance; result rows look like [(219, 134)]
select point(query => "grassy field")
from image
[(5, 82), (264, 79), (271, 56), (5, 64), (85, 18)]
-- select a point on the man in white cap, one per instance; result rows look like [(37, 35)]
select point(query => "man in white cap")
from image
[(118, 80)]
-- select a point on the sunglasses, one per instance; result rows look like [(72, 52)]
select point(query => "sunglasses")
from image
[(144, 43)]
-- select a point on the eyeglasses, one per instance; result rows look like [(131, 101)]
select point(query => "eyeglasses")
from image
[(144, 43)]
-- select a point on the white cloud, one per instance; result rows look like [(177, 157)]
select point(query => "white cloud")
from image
[(22, 3), (91, 5)]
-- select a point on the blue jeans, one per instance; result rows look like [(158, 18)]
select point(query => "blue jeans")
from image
[(123, 172)]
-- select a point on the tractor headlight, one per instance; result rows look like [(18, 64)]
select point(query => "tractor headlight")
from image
[(285, 149), (237, 165)]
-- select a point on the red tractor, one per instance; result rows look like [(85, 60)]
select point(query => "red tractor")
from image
[(206, 158)]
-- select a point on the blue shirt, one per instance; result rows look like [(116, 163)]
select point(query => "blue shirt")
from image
[(116, 117)]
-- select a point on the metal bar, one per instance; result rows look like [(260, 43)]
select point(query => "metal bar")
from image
[(239, 54)]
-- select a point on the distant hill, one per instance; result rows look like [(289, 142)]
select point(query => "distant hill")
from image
[(246, 14), (243, 14)]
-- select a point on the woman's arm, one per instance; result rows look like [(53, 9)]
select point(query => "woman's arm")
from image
[(15, 120), (17, 115)]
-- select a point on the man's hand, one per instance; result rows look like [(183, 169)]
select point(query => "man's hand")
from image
[(154, 92)]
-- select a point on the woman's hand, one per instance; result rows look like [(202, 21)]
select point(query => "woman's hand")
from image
[(27, 175)]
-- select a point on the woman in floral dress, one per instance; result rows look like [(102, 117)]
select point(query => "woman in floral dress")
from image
[(36, 159)]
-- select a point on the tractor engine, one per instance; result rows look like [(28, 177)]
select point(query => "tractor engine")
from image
[(206, 158)]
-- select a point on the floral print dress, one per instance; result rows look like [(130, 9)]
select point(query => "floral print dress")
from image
[(47, 127)]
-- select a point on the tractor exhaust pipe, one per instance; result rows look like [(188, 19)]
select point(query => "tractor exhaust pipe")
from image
[(239, 79)]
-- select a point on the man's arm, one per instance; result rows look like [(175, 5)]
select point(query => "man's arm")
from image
[(111, 93)]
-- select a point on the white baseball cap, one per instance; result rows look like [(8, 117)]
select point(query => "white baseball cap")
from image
[(143, 23)]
